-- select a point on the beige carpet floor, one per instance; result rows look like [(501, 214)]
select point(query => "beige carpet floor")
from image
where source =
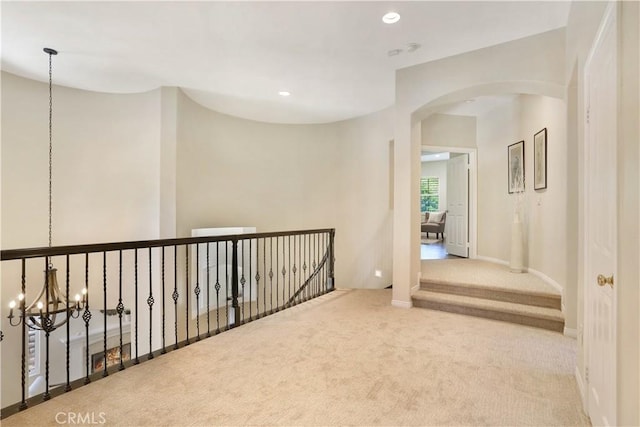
[(483, 273), (347, 358)]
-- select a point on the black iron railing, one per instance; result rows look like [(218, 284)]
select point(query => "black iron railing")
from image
[(142, 299)]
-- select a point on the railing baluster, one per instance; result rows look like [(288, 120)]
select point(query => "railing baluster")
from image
[(295, 270), (175, 295), (164, 348), (67, 387), (242, 279), (150, 302), (289, 265), (271, 274), (104, 289), (208, 294), (86, 316), (264, 271), (226, 282), (332, 258), (186, 291), (234, 283), (135, 285), (304, 265), (46, 323), (276, 273), (284, 271), (197, 291), (316, 265), (120, 307), (217, 287), (23, 287), (250, 280)]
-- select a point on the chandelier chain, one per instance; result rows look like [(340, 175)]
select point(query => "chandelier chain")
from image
[(50, 147)]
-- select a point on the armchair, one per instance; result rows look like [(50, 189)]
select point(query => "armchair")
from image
[(434, 222)]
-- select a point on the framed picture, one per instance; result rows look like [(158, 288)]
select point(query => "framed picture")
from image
[(516, 167), (540, 160)]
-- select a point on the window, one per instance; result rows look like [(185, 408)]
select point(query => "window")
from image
[(429, 194)]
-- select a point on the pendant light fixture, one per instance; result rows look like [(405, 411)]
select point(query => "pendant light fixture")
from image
[(51, 308)]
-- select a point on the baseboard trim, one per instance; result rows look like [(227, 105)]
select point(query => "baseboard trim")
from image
[(571, 333), (533, 271), (490, 259), (415, 289), (547, 279), (401, 304)]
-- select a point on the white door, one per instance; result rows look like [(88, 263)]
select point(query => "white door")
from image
[(600, 221), (457, 225)]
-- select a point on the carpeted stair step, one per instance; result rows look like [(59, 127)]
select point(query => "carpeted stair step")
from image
[(527, 297), (539, 317)]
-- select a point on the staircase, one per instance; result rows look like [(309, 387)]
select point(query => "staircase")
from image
[(531, 308)]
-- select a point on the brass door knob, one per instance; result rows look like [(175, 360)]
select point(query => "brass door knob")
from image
[(603, 280)]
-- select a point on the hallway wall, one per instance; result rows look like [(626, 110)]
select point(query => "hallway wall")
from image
[(545, 215)]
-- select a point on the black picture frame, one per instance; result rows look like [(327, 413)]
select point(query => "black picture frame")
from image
[(540, 160), (515, 168)]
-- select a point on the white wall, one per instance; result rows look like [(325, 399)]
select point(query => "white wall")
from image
[(237, 172), (447, 130), (544, 210), (439, 170), (105, 165), (497, 129), (364, 212)]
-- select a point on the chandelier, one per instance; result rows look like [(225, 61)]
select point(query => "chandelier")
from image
[(51, 308)]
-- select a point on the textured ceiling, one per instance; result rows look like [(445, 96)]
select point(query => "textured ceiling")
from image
[(234, 57)]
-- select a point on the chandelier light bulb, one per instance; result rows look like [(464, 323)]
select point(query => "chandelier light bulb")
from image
[(77, 297), (20, 297), (84, 291), (40, 305), (12, 304)]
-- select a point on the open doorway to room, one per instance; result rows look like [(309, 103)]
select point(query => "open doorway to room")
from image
[(446, 206)]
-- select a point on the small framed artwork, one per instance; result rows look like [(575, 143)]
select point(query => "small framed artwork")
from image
[(540, 160), (516, 167)]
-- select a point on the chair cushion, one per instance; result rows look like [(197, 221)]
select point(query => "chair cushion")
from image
[(435, 217)]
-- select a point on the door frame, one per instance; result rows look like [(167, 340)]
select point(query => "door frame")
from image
[(473, 191), (611, 13)]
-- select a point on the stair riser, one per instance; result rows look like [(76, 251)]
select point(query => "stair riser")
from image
[(552, 325), (492, 294)]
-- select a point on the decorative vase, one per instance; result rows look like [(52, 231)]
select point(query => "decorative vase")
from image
[(516, 263)]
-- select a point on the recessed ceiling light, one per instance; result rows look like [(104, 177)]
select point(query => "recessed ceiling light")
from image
[(284, 93), (391, 17), (394, 52), (412, 47)]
